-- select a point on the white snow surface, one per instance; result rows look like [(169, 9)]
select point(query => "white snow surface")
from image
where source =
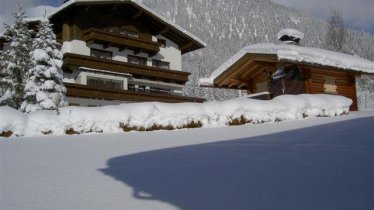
[(107, 119), (290, 32), (300, 54), (309, 164)]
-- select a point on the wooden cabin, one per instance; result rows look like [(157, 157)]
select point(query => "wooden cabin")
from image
[(256, 69), (117, 51)]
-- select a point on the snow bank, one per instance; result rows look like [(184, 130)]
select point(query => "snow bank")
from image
[(297, 54), (156, 116)]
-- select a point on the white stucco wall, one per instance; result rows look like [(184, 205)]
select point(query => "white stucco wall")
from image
[(170, 53)]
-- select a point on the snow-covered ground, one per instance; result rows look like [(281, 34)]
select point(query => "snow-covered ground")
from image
[(312, 163)]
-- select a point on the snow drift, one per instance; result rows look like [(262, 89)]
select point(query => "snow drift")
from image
[(158, 116)]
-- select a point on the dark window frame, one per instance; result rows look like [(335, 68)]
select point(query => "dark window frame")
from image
[(105, 83), (109, 54), (162, 42), (158, 64), (137, 60)]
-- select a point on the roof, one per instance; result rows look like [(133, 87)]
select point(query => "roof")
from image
[(192, 42), (256, 55)]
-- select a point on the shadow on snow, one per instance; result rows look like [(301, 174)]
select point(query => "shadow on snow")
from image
[(322, 167)]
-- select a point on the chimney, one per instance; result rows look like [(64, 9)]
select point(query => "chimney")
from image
[(290, 36)]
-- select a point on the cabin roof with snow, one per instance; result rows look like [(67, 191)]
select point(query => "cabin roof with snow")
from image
[(255, 59), (135, 10)]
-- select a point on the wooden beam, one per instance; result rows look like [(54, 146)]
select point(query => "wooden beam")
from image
[(249, 71), (242, 85), (138, 51), (164, 30), (66, 32), (232, 71), (238, 80), (137, 15), (186, 46), (232, 84)]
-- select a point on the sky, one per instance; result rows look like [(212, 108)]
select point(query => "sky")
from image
[(357, 14)]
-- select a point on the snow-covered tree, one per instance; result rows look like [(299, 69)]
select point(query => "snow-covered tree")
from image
[(366, 89), (15, 61), (337, 33), (44, 89)]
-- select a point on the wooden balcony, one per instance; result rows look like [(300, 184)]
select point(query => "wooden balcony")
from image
[(83, 91), (121, 41), (74, 61)]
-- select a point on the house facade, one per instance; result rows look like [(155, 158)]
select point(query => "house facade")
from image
[(117, 51)]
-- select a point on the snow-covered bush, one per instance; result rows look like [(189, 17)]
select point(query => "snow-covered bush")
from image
[(156, 116)]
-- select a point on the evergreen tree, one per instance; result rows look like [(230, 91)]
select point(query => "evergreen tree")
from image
[(15, 61), (44, 89)]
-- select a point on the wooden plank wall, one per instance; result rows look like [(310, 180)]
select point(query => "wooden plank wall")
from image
[(345, 83)]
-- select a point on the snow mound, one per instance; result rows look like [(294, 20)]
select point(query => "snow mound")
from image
[(156, 116)]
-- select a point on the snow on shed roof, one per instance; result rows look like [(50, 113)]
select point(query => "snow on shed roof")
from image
[(71, 2), (297, 54)]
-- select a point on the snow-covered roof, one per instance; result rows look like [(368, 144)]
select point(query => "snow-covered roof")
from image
[(71, 2), (298, 54), (291, 33)]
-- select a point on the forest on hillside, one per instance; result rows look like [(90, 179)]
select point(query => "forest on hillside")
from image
[(226, 26)]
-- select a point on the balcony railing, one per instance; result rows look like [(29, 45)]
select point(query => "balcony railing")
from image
[(75, 61), (83, 91), (120, 41)]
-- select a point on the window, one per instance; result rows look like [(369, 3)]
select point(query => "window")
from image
[(131, 87), (104, 83), (330, 84), (129, 33), (101, 54), (108, 29), (162, 42), (160, 64), (137, 60)]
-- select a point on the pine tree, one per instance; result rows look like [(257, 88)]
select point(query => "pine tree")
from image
[(44, 89), (15, 61)]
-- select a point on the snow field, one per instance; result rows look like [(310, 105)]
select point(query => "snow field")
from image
[(158, 116)]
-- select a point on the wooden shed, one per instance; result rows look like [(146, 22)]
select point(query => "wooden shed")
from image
[(256, 68)]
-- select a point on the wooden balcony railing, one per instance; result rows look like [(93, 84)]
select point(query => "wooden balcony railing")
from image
[(120, 41), (83, 91), (74, 61)]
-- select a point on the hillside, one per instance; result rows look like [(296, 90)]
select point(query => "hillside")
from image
[(229, 25)]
